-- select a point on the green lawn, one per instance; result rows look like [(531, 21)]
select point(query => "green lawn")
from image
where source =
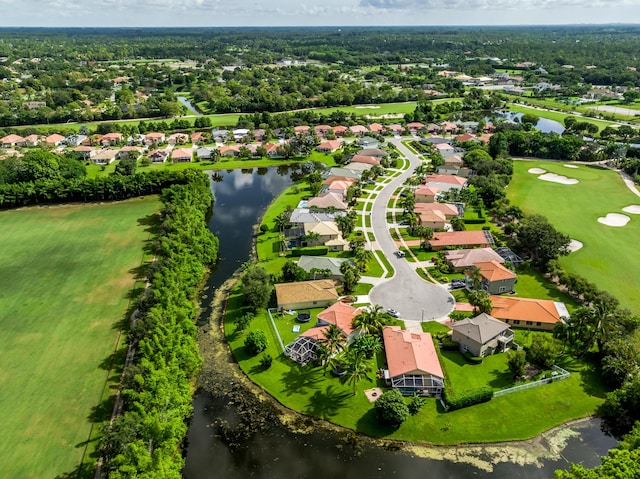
[(608, 257), (511, 417), (67, 277)]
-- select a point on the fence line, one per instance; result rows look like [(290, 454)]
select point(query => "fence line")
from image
[(560, 374), (275, 329)]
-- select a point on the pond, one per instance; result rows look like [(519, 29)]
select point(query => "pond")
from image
[(190, 106), (544, 125), (236, 432)]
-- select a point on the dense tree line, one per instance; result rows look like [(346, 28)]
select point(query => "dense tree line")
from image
[(145, 440)]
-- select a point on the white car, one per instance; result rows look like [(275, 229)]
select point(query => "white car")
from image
[(393, 312)]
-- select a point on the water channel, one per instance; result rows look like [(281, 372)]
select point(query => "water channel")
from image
[(237, 433), (190, 106)]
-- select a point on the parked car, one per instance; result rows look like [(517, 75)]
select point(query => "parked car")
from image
[(458, 283), (393, 312), (399, 254)]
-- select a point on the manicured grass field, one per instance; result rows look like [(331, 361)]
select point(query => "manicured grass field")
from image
[(66, 281), (609, 257)]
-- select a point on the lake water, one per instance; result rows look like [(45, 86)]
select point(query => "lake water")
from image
[(192, 109), (230, 439), (544, 125)]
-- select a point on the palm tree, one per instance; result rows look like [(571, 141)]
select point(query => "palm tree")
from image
[(425, 234), (362, 257), (333, 339), (370, 320), (282, 220), (356, 368), (412, 220)]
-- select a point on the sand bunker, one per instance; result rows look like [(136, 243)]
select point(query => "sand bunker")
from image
[(570, 166), (367, 106), (614, 219), (536, 171), (563, 180), (575, 245), (633, 209)]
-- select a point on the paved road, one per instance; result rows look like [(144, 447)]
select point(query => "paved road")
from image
[(413, 297)]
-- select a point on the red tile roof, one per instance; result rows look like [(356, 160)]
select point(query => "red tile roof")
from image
[(455, 238), (494, 271), (340, 314), (525, 309), (409, 352)]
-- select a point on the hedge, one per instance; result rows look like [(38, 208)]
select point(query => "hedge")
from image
[(448, 345), (475, 221), (310, 251), (469, 398)]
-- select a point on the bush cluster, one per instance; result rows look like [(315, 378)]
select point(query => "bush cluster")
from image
[(310, 251), (469, 398)]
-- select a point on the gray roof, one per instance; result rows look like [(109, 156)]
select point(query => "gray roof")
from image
[(346, 172), (307, 263), (480, 329), (305, 215), (377, 152)]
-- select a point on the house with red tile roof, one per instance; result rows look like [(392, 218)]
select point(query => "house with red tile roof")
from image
[(86, 151), (154, 137), (339, 130), (466, 137), (181, 155), (321, 130), (11, 141), (31, 140), (461, 239), (377, 128), (54, 140), (395, 128), (329, 145), (461, 259), (434, 219), (369, 160), (426, 194), (272, 149), (177, 139), (129, 151), (413, 366), (447, 209), (415, 126), (229, 150), (493, 276), (449, 127), (301, 130), (359, 130), (528, 313), (111, 139), (197, 137), (445, 182), (326, 201)]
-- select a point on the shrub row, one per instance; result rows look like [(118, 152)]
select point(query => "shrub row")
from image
[(469, 398), (310, 251), (475, 221)]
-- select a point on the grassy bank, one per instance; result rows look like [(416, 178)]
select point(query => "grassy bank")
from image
[(68, 275)]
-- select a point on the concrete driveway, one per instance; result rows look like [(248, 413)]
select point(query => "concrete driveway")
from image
[(414, 298)]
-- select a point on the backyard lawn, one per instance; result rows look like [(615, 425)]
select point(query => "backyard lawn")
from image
[(66, 281), (608, 257)]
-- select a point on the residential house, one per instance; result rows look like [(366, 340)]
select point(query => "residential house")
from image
[(339, 130), (370, 160), (328, 234), (337, 184), (449, 210), (462, 239), (10, 141), (240, 134), (317, 264), (435, 140), (75, 140), (396, 129), (111, 139), (415, 126), (347, 171), (377, 128), (453, 160), (368, 142), (258, 134), (461, 259), (329, 146), (271, 149), (301, 130), (219, 135), (445, 182), (181, 155), (158, 156), (327, 201), (197, 137), (445, 149), (357, 168), (426, 194), (54, 140), (229, 150), (528, 313), (449, 127), (177, 139), (154, 137), (493, 276), (412, 362), (304, 348), (358, 130), (482, 336), (433, 219), (321, 130), (127, 152), (87, 152), (375, 152), (204, 153), (306, 294), (104, 157), (31, 140)]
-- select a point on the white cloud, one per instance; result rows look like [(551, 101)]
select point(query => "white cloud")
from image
[(467, 5)]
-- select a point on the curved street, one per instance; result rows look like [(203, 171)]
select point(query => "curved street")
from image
[(413, 297)]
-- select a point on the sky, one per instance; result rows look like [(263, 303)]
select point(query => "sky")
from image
[(220, 13)]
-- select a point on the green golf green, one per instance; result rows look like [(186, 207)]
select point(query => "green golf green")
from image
[(65, 279), (608, 257)]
